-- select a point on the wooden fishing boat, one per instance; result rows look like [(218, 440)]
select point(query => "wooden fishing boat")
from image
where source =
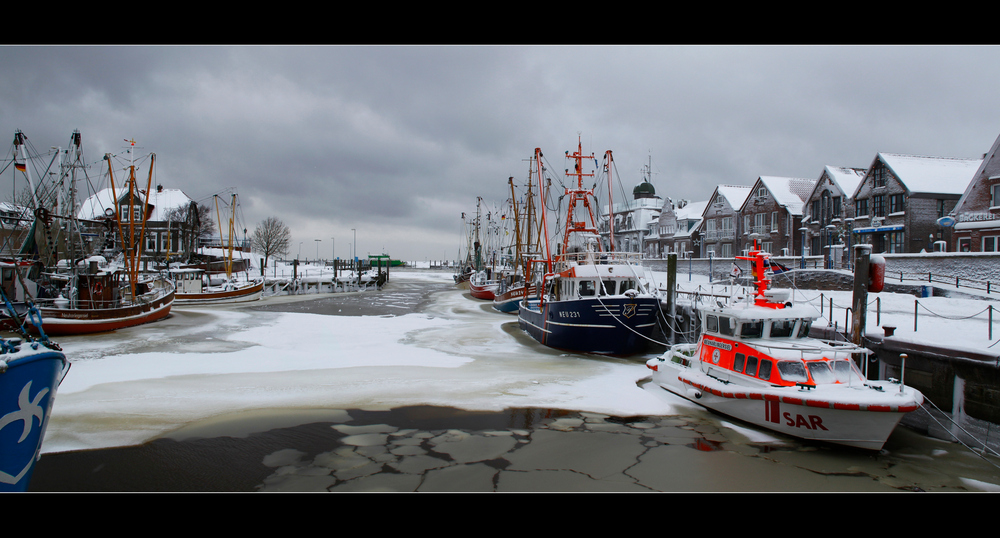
[(192, 290), (87, 295)]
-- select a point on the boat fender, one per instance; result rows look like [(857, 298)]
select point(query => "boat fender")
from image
[(631, 294), (876, 273), (694, 393)]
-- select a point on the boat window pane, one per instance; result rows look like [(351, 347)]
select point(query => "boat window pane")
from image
[(752, 329), (752, 366), (844, 370), (712, 324), (793, 371), (726, 326), (820, 372), (782, 328), (804, 328), (738, 362), (587, 288), (765, 369), (609, 287)]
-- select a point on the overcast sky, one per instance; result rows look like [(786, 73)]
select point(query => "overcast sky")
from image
[(397, 141)]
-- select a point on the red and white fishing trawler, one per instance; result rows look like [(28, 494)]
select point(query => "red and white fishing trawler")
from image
[(756, 362), (482, 287)]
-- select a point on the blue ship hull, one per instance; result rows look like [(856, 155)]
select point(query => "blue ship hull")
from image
[(609, 326), (27, 390)]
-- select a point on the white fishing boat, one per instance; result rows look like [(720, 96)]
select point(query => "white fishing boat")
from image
[(756, 362), (195, 286)]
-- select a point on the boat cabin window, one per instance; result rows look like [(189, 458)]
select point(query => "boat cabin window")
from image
[(626, 285), (844, 370), (820, 372), (752, 329), (739, 362), (782, 328), (804, 328), (793, 371), (726, 326), (764, 372), (609, 287), (587, 288), (751, 366), (712, 324)]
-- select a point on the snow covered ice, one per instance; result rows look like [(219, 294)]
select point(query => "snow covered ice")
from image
[(133, 385)]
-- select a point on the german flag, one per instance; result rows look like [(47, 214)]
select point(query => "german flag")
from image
[(20, 166)]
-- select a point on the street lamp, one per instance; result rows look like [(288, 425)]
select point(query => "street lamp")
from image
[(318, 241), (355, 242)]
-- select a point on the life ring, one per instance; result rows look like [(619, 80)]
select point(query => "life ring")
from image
[(98, 288)]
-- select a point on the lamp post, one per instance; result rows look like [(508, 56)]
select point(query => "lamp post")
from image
[(300, 251), (355, 242), (318, 241), (333, 248)]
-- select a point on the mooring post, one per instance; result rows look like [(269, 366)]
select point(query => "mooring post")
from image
[(860, 300), (671, 292)]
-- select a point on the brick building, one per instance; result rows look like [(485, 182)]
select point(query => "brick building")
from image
[(978, 211), (829, 211), (899, 201), (773, 212), (718, 223)]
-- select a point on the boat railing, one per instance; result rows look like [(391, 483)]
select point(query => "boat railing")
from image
[(602, 258)]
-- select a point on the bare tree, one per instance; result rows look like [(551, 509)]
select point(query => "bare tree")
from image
[(271, 237)]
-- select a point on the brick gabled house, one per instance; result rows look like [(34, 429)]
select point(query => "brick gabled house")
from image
[(898, 203), (718, 223), (829, 211), (773, 212), (977, 213)]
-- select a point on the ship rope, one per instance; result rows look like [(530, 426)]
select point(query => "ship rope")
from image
[(981, 453)]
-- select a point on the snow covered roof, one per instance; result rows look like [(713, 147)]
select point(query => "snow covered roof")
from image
[(847, 179), (931, 174), (734, 194), (693, 210), (162, 201), (790, 192)]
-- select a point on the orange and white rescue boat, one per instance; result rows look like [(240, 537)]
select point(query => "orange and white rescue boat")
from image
[(756, 362)]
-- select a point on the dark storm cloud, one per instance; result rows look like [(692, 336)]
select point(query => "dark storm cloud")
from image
[(396, 142)]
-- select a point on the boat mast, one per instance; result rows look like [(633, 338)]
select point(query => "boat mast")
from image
[(608, 161), (228, 263), (132, 248), (517, 225), (23, 165), (545, 227), (577, 195)]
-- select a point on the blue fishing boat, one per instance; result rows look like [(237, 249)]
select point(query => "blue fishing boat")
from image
[(30, 372), (586, 298)]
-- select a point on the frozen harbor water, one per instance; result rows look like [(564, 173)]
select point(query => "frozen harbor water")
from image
[(418, 388)]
